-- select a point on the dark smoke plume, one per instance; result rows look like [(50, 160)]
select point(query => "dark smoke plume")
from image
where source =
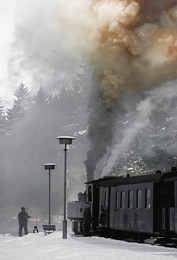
[(132, 46), (100, 132)]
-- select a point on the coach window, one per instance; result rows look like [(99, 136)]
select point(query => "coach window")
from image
[(117, 199), (147, 198), (122, 199), (138, 199), (130, 199)]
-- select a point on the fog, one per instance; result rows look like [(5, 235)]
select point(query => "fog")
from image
[(24, 181), (40, 58), (39, 54)]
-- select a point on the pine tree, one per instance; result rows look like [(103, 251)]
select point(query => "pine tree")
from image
[(21, 106), (41, 100), (3, 121)]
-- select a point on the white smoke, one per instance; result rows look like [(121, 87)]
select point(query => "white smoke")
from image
[(144, 110), (39, 55)]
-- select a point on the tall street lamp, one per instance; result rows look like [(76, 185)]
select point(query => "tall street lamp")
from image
[(66, 140), (49, 166)]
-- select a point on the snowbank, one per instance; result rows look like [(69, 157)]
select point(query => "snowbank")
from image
[(53, 247)]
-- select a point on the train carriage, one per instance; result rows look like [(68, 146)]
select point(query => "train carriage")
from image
[(138, 206)]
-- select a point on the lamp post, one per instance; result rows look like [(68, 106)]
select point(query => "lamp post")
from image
[(49, 166), (66, 140)]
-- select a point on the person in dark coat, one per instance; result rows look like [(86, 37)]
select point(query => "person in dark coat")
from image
[(102, 216), (87, 218), (23, 221)]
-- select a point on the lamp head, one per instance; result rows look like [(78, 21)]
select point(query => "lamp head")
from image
[(65, 139), (49, 166)]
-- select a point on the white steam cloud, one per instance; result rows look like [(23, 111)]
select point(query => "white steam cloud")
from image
[(39, 56), (144, 110)]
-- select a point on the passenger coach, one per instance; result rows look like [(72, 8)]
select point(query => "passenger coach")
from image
[(131, 207)]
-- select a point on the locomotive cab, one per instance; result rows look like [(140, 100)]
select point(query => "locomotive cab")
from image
[(77, 210), (92, 197), (104, 207)]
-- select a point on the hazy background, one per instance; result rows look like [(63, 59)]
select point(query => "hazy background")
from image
[(34, 53), (104, 83)]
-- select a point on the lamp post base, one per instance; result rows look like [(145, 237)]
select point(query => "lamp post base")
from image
[(64, 229)]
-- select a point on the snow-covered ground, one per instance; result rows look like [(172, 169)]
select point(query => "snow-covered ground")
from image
[(52, 247)]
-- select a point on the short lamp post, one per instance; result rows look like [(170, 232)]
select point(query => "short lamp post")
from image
[(66, 140), (49, 166)]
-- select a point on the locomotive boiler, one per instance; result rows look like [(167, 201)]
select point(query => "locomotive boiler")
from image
[(137, 208)]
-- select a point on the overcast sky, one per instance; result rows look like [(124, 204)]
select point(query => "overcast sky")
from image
[(7, 9)]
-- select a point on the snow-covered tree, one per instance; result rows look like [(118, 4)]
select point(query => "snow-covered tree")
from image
[(21, 106), (134, 167), (41, 100), (3, 121)]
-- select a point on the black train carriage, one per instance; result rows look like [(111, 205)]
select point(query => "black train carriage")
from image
[(131, 207)]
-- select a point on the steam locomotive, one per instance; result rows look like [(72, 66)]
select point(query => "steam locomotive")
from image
[(138, 208)]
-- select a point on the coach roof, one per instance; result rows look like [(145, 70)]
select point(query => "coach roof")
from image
[(110, 181)]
